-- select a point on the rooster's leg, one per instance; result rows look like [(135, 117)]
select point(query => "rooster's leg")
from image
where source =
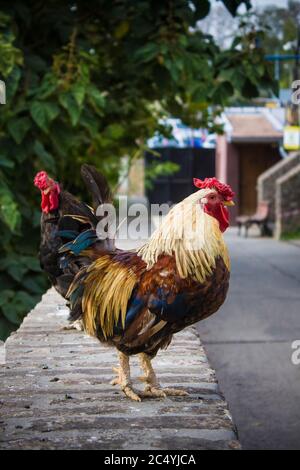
[(153, 388), (75, 325), (123, 378)]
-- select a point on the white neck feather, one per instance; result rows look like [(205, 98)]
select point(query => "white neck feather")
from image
[(191, 235)]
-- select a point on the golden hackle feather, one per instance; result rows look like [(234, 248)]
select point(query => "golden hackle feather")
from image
[(192, 236)]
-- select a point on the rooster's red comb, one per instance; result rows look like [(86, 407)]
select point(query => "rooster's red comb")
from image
[(42, 180), (222, 188)]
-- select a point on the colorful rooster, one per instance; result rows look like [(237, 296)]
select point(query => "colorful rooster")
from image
[(137, 300)]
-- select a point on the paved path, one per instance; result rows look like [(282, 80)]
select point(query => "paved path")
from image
[(249, 342), (55, 393)]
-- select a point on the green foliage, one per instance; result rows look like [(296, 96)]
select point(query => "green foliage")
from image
[(155, 170), (10, 55), (282, 30), (88, 82), (290, 236)]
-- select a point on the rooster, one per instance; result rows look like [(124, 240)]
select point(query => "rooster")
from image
[(137, 300)]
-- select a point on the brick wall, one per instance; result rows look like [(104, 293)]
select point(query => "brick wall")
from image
[(287, 203), (266, 183)]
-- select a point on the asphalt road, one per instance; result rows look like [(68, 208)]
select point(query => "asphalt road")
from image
[(249, 342)]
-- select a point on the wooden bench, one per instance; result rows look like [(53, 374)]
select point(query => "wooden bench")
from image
[(260, 218)]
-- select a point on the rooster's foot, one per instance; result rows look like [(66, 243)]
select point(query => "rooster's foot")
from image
[(153, 388), (116, 380), (76, 325), (123, 378), (156, 391), (126, 388), (130, 393)]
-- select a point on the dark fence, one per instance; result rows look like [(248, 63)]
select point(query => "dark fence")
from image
[(193, 162)]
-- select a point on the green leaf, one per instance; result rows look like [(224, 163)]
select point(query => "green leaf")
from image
[(18, 307), (233, 5), (5, 296), (17, 265), (70, 104), (39, 115), (62, 138), (121, 30), (34, 284), (147, 53), (35, 62), (17, 271), (236, 41), (89, 122), (9, 211), (78, 91), (249, 90), (44, 156), (12, 83), (18, 128), (6, 328), (221, 94), (48, 87), (156, 169), (234, 76), (202, 8), (52, 110), (44, 113), (115, 131), (32, 263), (6, 162), (97, 98)]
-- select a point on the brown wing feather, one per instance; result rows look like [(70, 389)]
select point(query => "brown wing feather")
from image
[(149, 332), (112, 278)]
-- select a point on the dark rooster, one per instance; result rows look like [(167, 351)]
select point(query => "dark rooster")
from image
[(137, 300)]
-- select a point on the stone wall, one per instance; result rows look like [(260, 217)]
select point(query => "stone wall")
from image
[(287, 203), (55, 392), (266, 183)]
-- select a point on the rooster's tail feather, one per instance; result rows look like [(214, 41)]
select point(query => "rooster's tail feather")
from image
[(96, 185), (72, 230)]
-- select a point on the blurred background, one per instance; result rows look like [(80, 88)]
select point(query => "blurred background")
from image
[(154, 94)]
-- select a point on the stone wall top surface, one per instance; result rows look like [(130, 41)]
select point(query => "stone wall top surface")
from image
[(55, 393)]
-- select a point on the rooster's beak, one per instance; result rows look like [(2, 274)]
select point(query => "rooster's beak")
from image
[(228, 203)]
